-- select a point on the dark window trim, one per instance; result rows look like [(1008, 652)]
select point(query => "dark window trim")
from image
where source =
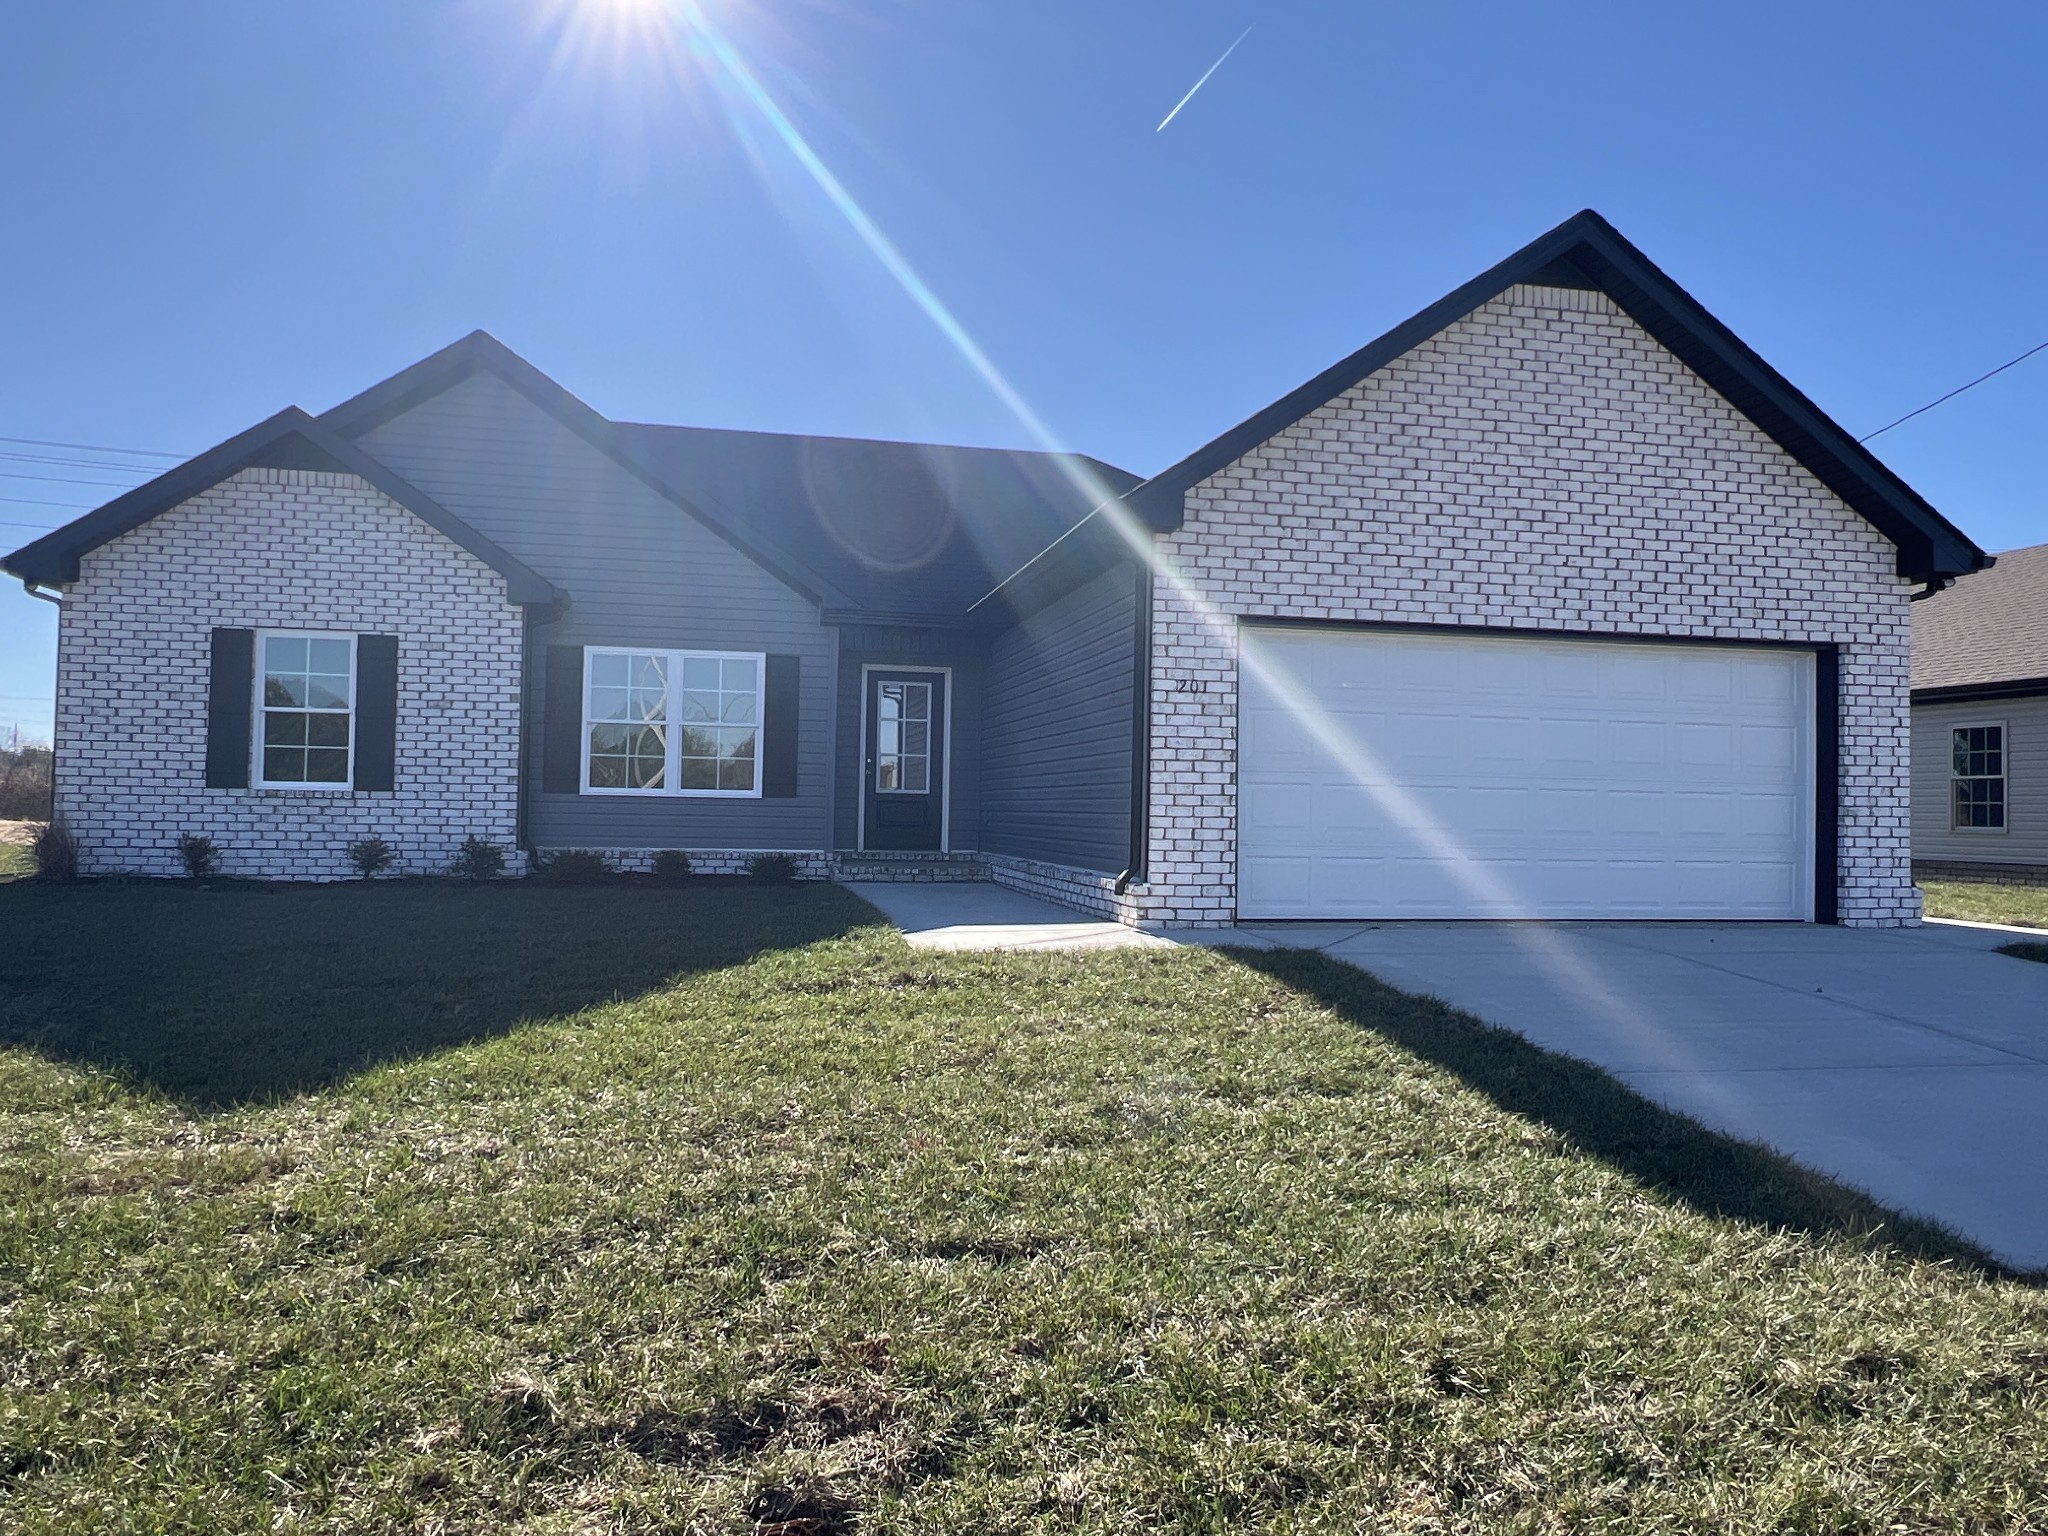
[(2004, 776)]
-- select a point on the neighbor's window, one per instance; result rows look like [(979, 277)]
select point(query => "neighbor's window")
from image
[(672, 722), (306, 692), (1977, 776)]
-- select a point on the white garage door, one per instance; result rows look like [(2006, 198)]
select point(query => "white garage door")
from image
[(1391, 774)]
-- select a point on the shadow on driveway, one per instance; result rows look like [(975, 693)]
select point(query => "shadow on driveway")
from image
[(1716, 1174), (225, 994)]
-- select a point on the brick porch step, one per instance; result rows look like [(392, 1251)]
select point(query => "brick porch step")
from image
[(908, 866)]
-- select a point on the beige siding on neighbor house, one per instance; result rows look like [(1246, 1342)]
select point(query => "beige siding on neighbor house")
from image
[(2025, 840)]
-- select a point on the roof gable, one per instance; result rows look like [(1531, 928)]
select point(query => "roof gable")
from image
[(480, 351), (1587, 252), (289, 440), (883, 529), (913, 531)]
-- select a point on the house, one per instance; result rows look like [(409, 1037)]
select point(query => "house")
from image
[(1554, 601), (1980, 726)]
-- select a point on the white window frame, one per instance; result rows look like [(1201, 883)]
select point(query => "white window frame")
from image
[(257, 780), (2004, 777), (672, 772)]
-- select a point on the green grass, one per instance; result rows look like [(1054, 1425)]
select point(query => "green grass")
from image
[(2018, 905), (723, 1211), (16, 859)]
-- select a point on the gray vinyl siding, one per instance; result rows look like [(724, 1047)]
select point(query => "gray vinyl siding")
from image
[(861, 647), (638, 571), (2025, 840), (1056, 730)]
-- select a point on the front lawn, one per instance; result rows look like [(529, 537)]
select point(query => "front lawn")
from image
[(2021, 906), (721, 1210)]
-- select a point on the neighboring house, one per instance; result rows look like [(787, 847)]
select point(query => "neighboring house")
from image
[(1555, 601), (1980, 726)]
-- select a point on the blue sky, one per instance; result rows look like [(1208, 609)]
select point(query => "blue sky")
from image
[(214, 210)]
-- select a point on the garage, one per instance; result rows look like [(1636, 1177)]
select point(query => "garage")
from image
[(1401, 773)]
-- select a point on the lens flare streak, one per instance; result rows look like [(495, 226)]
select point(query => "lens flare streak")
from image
[(1547, 946)]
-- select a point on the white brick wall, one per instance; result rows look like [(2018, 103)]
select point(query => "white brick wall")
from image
[(1082, 889), (282, 549), (1542, 464)]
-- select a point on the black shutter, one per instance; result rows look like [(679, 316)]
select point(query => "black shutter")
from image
[(778, 727), (230, 697), (376, 712), (561, 732)]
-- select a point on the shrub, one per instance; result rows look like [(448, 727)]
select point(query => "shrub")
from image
[(370, 855), (25, 783), (576, 866), (772, 869), (671, 866), (56, 853), (201, 855), (479, 860)]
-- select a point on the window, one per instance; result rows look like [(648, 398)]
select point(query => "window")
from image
[(903, 738), (1977, 777), (306, 697), (672, 722)]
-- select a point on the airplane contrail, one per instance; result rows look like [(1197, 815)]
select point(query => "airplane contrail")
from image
[(1247, 32)]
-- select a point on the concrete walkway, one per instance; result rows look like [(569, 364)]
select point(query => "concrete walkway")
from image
[(1910, 1063), (975, 914)]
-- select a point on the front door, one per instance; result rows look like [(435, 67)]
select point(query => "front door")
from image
[(904, 801)]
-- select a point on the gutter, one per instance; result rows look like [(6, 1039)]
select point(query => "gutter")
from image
[(1964, 693)]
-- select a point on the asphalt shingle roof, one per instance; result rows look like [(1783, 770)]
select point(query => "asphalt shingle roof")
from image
[(901, 528), (1988, 628)]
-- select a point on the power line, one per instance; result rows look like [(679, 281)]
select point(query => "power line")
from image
[(1930, 405), (62, 506), (22, 474), (112, 466), (142, 453)]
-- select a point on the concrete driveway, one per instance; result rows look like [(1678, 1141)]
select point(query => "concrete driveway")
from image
[(1910, 1063)]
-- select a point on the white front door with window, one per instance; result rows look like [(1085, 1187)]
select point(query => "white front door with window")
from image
[(1405, 774)]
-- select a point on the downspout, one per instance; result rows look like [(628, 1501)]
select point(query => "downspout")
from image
[(1141, 735), (34, 589), (520, 839), (1935, 585)]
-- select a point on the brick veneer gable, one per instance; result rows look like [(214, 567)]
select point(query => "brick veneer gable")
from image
[(291, 549), (1542, 464)]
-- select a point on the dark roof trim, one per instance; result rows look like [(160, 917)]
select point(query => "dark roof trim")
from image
[(1963, 693), (289, 440), (1587, 252), (843, 616), (480, 351)]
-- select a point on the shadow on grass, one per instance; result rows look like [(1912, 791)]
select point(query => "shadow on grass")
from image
[(1605, 1118), (226, 994)]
